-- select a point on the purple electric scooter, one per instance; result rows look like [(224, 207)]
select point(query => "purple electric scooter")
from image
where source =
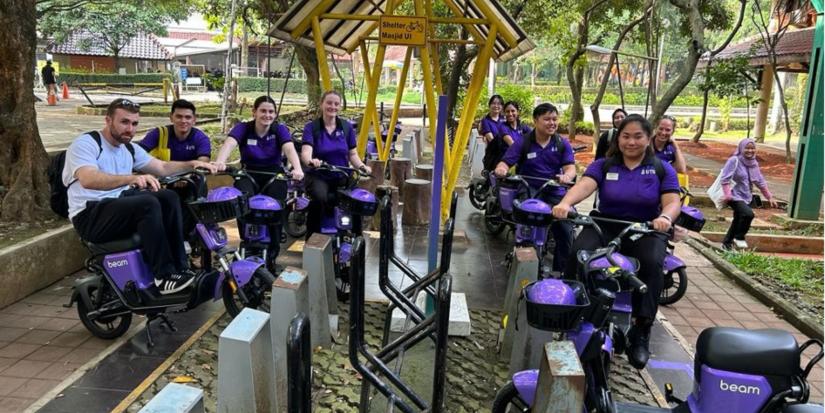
[(121, 283), (344, 224), (736, 370)]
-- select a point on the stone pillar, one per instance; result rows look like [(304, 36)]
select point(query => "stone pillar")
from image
[(245, 365), (561, 380), (323, 302), (764, 104), (524, 270), (290, 296), (176, 398), (417, 195)]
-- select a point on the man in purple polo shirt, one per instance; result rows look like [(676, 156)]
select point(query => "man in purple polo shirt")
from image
[(543, 153)]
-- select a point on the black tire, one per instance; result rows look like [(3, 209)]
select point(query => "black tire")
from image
[(492, 218), (508, 400), (674, 288), (296, 223), (103, 327), (257, 292), (478, 196), (342, 285)]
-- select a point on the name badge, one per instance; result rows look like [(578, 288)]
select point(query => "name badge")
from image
[(531, 155), (252, 142), (612, 176)]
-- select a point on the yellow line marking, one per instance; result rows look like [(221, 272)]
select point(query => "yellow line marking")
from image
[(297, 246), (125, 403)]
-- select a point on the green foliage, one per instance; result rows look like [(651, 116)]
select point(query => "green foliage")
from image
[(725, 107), (582, 127), (518, 93), (258, 84), (800, 275), (113, 23), (73, 78)]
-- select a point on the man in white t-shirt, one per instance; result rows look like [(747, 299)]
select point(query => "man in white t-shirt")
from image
[(98, 174)]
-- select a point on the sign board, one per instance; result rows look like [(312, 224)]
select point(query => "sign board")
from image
[(403, 30)]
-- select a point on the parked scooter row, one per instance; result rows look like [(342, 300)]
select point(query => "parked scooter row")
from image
[(736, 370)]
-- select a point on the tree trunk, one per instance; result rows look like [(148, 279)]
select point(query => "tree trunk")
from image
[(309, 61), (574, 79), (23, 161), (244, 49)]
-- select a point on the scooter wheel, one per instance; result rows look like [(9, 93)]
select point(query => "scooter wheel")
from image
[(103, 327), (296, 223), (492, 219), (478, 196), (675, 286), (508, 400), (257, 292)]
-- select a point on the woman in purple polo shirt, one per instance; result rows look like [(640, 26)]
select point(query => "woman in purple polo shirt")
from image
[(742, 170), (490, 130), (512, 130), (665, 147), (630, 189), (543, 153), (262, 141), (327, 139)]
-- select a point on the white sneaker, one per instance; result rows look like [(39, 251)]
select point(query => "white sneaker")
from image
[(174, 282), (741, 244)]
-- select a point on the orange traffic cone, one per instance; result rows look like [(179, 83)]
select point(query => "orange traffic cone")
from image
[(51, 100), (65, 91)]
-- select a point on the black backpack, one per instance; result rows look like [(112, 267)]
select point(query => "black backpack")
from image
[(59, 193), (528, 140)]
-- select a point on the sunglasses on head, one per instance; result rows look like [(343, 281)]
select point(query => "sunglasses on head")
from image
[(126, 103)]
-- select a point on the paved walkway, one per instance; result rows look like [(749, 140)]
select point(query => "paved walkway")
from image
[(780, 189), (714, 300)]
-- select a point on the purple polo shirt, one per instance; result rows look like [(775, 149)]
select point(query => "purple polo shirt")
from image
[(632, 195), (542, 162), (331, 148), (260, 152), (488, 125), (194, 146), (667, 154), (516, 133)]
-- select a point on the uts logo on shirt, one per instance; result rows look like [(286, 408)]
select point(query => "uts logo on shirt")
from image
[(190, 147), (648, 170)]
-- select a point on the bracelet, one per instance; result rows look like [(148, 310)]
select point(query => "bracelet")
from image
[(666, 217)]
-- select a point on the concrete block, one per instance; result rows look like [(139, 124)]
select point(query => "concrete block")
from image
[(246, 373), (176, 398), (26, 269), (318, 313), (561, 380), (477, 151), (460, 324), (319, 265), (523, 271), (528, 343), (290, 295)]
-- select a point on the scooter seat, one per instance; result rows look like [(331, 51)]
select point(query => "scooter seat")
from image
[(761, 352), (111, 247)]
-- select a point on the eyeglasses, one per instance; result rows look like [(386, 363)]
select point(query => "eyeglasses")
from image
[(126, 103)]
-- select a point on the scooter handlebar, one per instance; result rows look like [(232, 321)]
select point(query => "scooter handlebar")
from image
[(636, 283)]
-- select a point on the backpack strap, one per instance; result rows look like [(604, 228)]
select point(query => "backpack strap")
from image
[(99, 140), (526, 142)]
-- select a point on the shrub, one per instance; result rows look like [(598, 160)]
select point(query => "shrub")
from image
[(73, 78)]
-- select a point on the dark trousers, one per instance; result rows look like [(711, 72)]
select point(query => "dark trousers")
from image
[(323, 196), (742, 218), (154, 216), (188, 192), (255, 184), (650, 250), (562, 234)]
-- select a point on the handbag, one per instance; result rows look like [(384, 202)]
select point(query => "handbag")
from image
[(756, 200), (716, 193)]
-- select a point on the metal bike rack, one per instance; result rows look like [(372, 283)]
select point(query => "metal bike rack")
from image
[(436, 324), (299, 365)]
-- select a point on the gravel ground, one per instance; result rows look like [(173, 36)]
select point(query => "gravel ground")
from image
[(473, 374)]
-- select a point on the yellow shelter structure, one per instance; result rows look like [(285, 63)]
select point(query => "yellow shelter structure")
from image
[(344, 26)]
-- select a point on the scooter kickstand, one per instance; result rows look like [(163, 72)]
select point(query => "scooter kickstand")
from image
[(149, 341), (167, 322)]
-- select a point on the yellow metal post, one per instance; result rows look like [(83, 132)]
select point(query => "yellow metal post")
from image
[(465, 123), (399, 94), (323, 67), (428, 5), (369, 109), (368, 116)]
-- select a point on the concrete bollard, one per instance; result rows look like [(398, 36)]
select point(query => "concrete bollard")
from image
[(176, 398), (246, 369), (319, 265), (523, 271), (408, 149), (561, 380), (528, 342), (477, 164), (290, 296)]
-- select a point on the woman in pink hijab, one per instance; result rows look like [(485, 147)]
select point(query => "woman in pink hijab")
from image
[(740, 173)]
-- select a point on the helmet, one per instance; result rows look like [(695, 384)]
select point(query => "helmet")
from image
[(223, 193), (551, 291)]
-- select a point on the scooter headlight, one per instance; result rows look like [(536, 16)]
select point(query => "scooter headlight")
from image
[(345, 221)]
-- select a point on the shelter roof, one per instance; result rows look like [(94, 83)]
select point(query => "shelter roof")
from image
[(341, 36), (143, 46), (794, 47)]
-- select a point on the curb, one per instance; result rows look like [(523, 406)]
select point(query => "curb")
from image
[(781, 306)]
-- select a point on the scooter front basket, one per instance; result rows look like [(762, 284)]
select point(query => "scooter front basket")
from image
[(691, 219), (557, 317), (359, 202), (212, 212)]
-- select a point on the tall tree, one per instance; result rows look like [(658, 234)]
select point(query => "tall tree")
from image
[(110, 24), (23, 160)]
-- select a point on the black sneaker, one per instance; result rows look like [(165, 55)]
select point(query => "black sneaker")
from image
[(639, 352), (175, 282)]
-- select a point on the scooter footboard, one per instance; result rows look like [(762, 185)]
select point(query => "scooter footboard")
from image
[(635, 408), (204, 289)]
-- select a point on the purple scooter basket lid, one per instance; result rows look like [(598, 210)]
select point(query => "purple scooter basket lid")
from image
[(263, 202), (535, 206), (223, 193), (362, 195), (627, 264), (551, 291)]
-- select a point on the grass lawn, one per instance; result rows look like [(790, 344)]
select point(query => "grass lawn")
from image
[(734, 136)]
